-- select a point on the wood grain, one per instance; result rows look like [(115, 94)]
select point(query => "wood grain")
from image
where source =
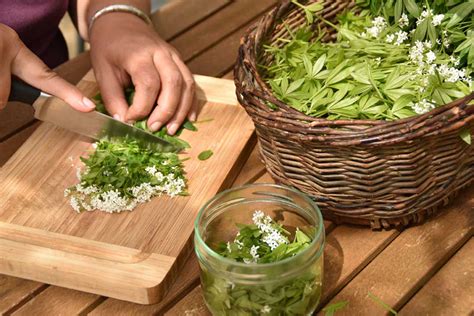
[(179, 15), (38, 173), (410, 260), (219, 26), (450, 291), (10, 145), (53, 300), (192, 305)]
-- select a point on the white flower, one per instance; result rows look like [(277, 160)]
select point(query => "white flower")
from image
[(446, 42), (151, 170), (266, 309), (423, 106), (437, 19), (430, 57), (254, 253), (78, 173), (424, 15), (239, 244), (273, 239), (378, 25), (390, 38), (257, 216), (401, 37), (75, 204), (228, 247), (403, 21)]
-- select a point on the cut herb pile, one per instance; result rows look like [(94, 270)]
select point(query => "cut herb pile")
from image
[(119, 175), (264, 242), (394, 60)]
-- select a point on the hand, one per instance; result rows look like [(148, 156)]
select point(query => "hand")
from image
[(125, 50), (16, 59)]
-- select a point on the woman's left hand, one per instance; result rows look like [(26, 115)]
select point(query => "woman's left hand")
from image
[(125, 50)]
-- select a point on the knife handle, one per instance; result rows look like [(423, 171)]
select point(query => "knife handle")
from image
[(22, 92)]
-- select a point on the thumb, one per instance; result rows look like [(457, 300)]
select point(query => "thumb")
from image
[(28, 67)]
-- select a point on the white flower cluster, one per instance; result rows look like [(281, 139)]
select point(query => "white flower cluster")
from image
[(88, 198), (254, 254), (266, 309), (435, 19), (271, 236), (398, 38), (423, 106), (378, 26), (403, 21), (421, 55)]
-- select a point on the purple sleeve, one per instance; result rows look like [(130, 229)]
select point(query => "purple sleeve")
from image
[(36, 22)]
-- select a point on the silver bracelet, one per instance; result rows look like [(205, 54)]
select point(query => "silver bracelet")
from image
[(120, 8)]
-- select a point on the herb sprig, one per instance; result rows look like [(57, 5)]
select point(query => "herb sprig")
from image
[(264, 241)]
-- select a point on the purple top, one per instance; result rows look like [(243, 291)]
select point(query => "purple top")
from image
[(36, 22)]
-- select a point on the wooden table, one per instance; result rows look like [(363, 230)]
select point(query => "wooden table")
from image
[(424, 270)]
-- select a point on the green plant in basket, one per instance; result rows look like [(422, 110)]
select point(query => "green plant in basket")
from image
[(264, 242), (393, 60)]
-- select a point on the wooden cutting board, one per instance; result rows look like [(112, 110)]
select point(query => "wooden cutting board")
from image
[(132, 256)]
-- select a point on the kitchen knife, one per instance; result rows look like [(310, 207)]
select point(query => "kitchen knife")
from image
[(93, 124)]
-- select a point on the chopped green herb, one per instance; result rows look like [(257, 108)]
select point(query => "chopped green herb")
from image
[(205, 155), (120, 175)]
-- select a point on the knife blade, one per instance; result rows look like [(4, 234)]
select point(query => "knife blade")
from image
[(93, 124)]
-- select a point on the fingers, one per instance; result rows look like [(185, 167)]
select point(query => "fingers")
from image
[(28, 67), (147, 85), (187, 98), (171, 91), (112, 94)]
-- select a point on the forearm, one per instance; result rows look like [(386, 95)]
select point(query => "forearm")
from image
[(83, 10)]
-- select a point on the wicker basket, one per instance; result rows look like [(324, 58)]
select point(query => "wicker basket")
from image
[(377, 173)]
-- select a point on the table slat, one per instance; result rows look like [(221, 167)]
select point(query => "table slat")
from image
[(179, 15), (450, 291), (219, 26), (410, 260)]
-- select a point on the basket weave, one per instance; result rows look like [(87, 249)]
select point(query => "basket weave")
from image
[(377, 173)]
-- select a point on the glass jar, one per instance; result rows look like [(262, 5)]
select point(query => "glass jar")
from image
[(288, 287)]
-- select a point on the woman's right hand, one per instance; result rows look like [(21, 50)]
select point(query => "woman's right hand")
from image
[(16, 59)]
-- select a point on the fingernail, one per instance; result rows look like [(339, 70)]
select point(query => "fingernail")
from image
[(117, 117), (193, 117), (155, 126), (173, 128), (88, 103)]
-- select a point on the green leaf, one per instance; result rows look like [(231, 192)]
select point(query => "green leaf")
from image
[(318, 65), (205, 155), (398, 10), (466, 136), (382, 303), (331, 309), (412, 8), (459, 13), (315, 7)]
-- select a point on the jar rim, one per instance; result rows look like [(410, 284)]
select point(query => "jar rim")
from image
[(215, 255)]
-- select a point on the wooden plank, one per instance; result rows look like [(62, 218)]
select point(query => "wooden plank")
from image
[(179, 15), (13, 118), (15, 291), (192, 305), (187, 280), (410, 260), (9, 146), (450, 291), (53, 300), (219, 26)]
